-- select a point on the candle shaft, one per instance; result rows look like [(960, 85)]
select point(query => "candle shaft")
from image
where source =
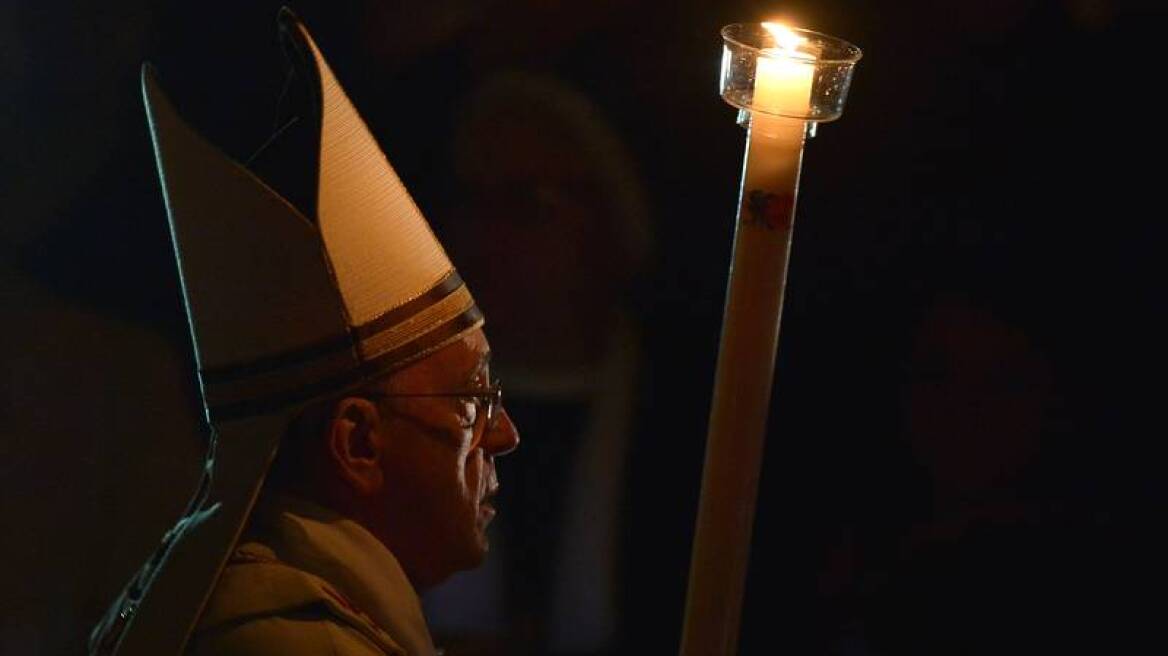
[(742, 385)]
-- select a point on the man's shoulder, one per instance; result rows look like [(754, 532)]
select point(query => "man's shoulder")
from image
[(261, 605)]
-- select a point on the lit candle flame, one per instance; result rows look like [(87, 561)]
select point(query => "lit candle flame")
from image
[(784, 36)]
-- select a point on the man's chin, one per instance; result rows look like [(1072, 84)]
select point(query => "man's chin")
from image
[(474, 551), (483, 548)]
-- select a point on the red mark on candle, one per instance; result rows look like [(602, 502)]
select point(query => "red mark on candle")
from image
[(769, 210)]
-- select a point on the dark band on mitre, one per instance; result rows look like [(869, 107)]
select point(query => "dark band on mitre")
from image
[(393, 340), (386, 364), (342, 343)]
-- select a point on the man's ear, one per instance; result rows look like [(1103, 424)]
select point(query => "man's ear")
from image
[(356, 445)]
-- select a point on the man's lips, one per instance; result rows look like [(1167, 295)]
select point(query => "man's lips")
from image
[(486, 512), (487, 505)]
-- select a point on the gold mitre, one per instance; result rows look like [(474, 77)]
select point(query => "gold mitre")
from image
[(283, 309)]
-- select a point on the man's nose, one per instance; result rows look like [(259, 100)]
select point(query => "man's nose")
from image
[(503, 438)]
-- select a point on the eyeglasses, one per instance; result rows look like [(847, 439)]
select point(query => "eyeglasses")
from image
[(488, 401)]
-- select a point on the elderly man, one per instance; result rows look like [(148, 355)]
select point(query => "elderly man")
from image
[(400, 476), (335, 338)]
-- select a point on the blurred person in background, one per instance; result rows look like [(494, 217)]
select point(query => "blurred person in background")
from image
[(550, 213)]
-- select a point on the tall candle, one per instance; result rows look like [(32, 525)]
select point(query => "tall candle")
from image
[(746, 355)]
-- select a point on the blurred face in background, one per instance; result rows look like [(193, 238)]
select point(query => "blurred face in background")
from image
[(551, 225), (978, 400)]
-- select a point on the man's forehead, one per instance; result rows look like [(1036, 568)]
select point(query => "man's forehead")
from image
[(455, 363), (471, 351)]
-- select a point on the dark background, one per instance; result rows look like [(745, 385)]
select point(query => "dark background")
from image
[(966, 405)]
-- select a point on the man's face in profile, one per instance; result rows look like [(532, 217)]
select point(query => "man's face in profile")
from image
[(439, 467)]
